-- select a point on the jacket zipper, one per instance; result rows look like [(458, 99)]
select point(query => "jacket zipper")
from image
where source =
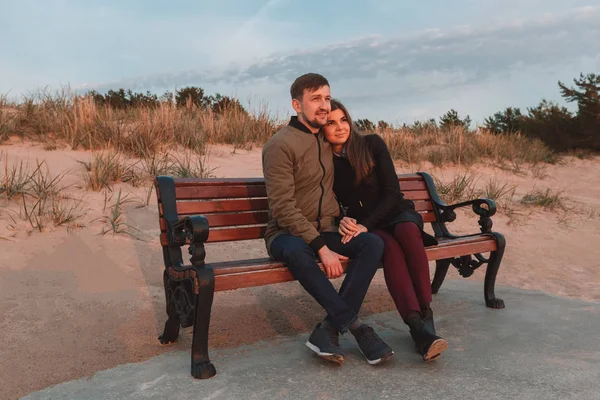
[(320, 184)]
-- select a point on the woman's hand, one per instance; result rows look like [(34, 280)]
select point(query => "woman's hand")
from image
[(360, 228), (347, 226), (349, 229)]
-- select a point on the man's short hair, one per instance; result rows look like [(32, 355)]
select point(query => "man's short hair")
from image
[(310, 82)]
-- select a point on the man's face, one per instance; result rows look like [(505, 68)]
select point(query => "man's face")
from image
[(314, 107)]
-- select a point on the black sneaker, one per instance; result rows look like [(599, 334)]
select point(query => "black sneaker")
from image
[(324, 341), (371, 346)]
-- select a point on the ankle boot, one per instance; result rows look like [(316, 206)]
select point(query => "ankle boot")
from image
[(427, 314), (427, 343)]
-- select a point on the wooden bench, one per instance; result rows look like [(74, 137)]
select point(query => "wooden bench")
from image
[(237, 209)]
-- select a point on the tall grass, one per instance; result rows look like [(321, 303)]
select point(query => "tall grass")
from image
[(7, 118), (138, 131), (547, 199), (461, 147), (144, 131), (39, 194), (465, 186)]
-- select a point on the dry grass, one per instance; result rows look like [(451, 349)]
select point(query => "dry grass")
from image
[(15, 180), (66, 211), (104, 170), (7, 119), (189, 166), (460, 187), (107, 168), (39, 195), (460, 147), (547, 199), (500, 191), (133, 145), (466, 186), (586, 211), (143, 132), (115, 221), (539, 171)]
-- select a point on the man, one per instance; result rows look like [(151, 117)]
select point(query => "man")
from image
[(298, 172)]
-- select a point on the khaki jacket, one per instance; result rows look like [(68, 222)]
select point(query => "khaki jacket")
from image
[(298, 172)]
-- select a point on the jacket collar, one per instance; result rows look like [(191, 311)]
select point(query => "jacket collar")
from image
[(295, 123), (343, 154)]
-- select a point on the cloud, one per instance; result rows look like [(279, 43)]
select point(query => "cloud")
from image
[(91, 42), (377, 72)]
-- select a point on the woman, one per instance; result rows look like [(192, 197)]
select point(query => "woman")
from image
[(367, 188)]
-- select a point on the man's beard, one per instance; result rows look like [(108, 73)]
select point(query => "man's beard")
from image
[(314, 123)]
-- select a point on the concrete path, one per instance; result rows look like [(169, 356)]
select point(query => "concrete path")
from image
[(538, 347)]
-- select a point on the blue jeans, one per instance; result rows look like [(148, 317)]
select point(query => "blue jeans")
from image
[(364, 251)]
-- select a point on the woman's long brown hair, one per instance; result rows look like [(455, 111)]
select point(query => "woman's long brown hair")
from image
[(356, 147)]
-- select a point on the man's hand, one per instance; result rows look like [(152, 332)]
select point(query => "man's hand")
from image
[(331, 262)]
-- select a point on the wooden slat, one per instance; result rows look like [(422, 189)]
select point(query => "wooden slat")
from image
[(234, 275), (212, 182), (219, 192), (257, 181), (164, 241), (441, 252), (423, 206), (417, 195), (233, 234), (227, 234), (204, 207), (233, 219), (218, 181), (408, 186), (229, 267), (409, 177), (428, 217), (470, 239), (251, 279)]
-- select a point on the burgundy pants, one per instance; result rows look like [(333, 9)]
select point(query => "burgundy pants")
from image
[(405, 267)]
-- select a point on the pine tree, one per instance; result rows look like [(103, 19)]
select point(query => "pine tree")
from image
[(587, 97)]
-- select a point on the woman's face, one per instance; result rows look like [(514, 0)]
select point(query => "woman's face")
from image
[(337, 128)]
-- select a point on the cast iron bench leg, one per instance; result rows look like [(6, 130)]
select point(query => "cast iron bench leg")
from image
[(490, 274), (202, 368), (171, 332), (441, 269)]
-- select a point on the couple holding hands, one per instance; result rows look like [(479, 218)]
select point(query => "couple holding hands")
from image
[(334, 195)]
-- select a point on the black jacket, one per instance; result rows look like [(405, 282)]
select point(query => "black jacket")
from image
[(377, 201)]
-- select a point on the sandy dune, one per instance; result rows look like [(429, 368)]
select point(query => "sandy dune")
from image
[(73, 302)]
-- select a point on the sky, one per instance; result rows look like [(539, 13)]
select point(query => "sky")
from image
[(392, 60)]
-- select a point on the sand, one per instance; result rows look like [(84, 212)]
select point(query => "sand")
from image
[(74, 301)]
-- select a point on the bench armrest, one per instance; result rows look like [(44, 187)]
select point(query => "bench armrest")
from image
[(193, 228), (447, 214)]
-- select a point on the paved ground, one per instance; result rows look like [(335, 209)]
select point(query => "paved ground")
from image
[(539, 347)]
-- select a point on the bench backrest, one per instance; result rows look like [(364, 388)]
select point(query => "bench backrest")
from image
[(237, 209)]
